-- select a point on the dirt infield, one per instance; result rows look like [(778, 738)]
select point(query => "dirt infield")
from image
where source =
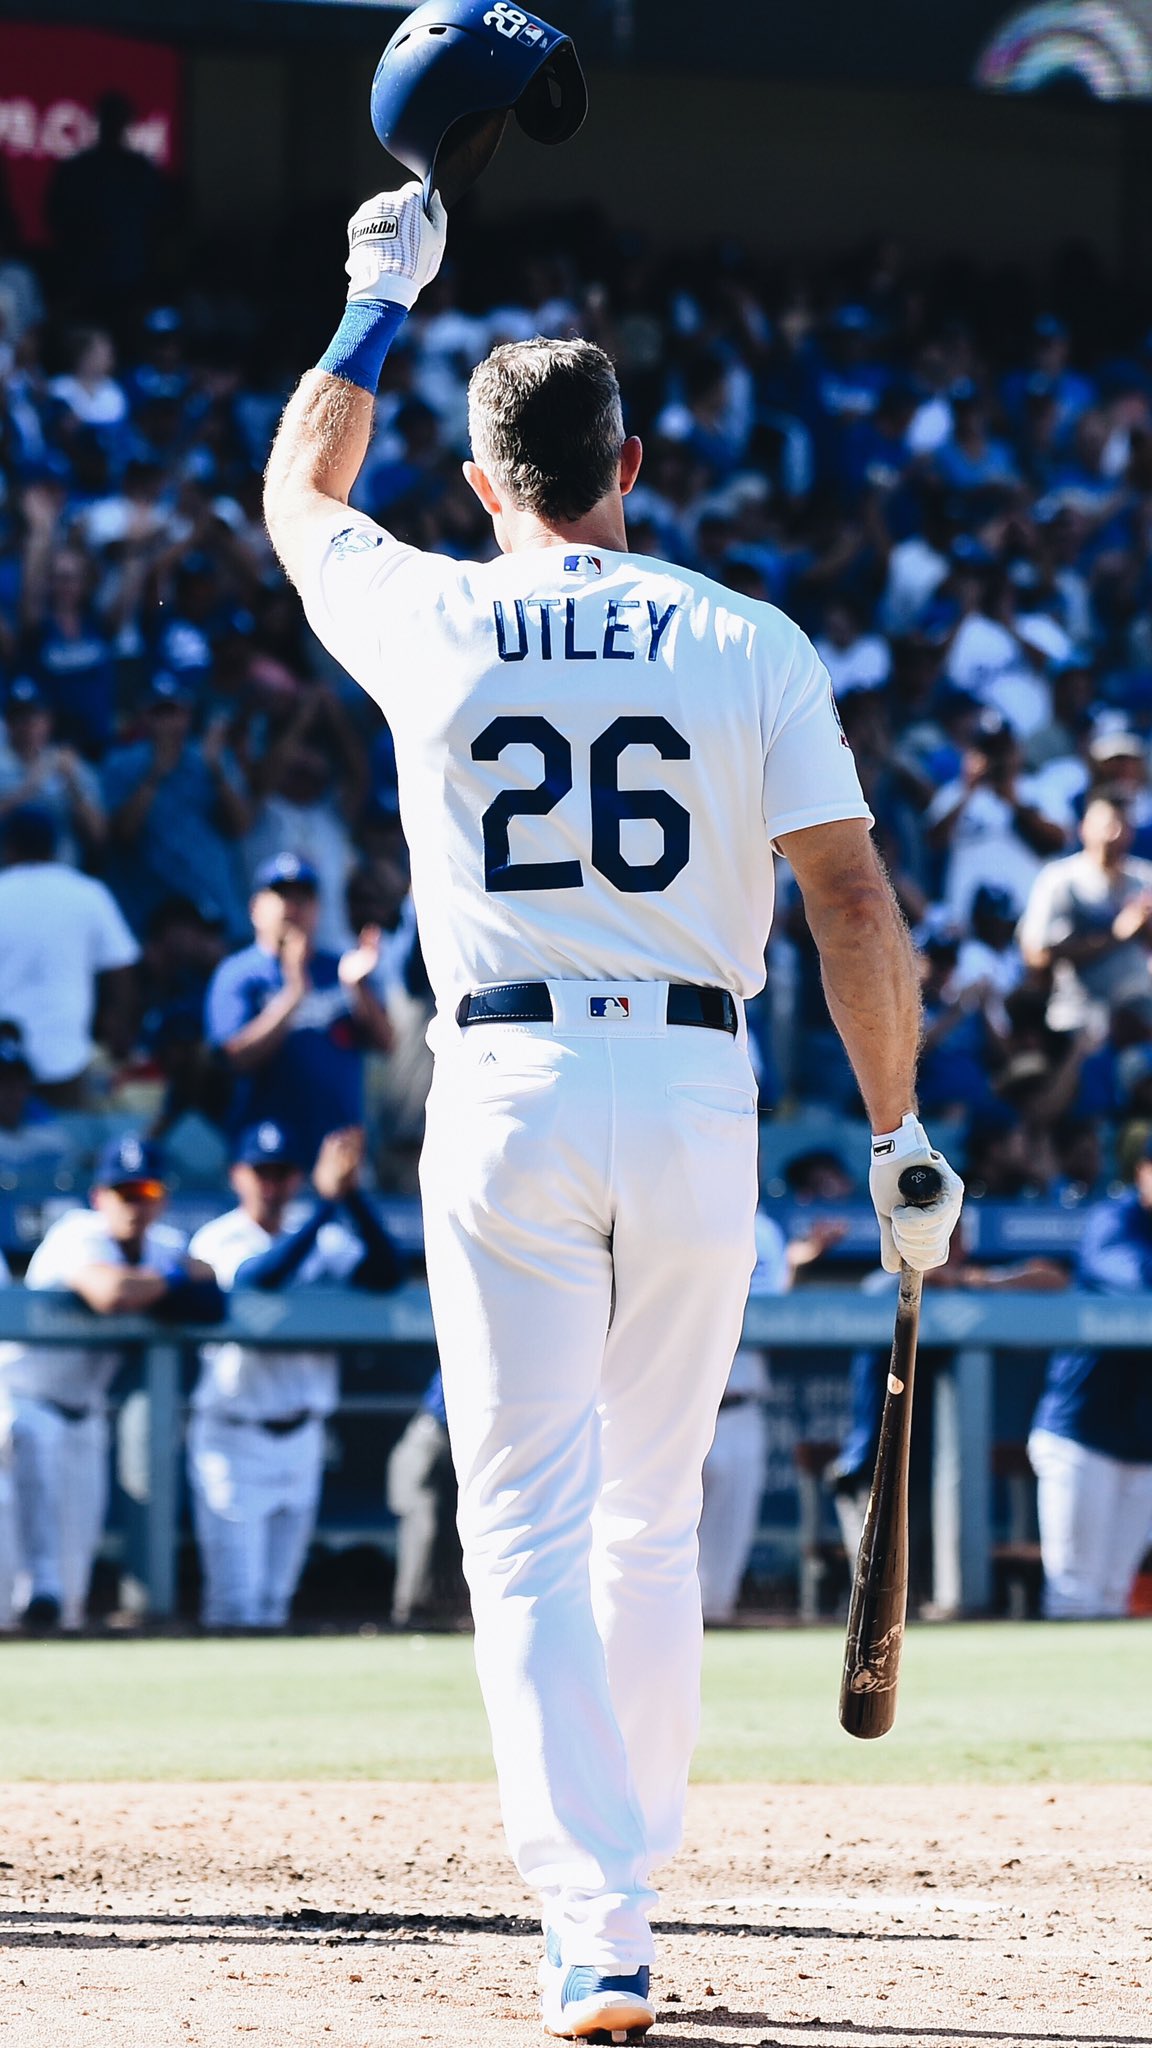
[(153, 1915)]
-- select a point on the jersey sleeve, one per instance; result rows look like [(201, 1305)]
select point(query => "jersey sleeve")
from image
[(77, 1240), (112, 943), (361, 596), (222, 1246), (809, 771), (226, 1010)]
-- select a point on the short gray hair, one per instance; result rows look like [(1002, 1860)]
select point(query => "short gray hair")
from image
[(547, 424)]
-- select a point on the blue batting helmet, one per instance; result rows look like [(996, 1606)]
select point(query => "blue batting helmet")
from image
[(452, 74)]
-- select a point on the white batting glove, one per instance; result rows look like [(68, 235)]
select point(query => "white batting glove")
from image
[(394, 247), (918, 1236)]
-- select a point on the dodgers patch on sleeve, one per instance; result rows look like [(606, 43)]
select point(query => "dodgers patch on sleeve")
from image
[(354, 540)]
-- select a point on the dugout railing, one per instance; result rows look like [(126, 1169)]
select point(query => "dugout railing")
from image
[(974, 1331)]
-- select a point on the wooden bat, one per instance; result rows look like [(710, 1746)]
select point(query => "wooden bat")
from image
[(880, 1583)]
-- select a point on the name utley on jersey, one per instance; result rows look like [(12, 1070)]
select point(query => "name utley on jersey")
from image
[(595, 752)]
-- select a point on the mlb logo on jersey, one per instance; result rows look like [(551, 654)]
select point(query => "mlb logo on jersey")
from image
[(610, 1007), (582, 565)]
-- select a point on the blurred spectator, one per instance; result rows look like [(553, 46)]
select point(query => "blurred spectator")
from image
[(990, 823), (120, 1259), (1089, 922), (29, 1133), (108, 209), (989, 961), (963, 1022), (63, 946), (67, 633), (818, 1176), (294, 1022), (256, 1444), (316, 782), (176, 808), (88, 391), (854, 659), (954, 506), (35, 771), (1091, 1441)]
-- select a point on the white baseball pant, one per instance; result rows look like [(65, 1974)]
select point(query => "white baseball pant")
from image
[(8, 1554), (60, 1473), (255, 1497), (1095, 1525), (589, 1196)]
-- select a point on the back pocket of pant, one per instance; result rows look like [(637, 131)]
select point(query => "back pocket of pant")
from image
[(736, 1105)]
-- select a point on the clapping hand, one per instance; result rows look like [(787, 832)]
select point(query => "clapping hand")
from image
[(362, 960), (337, 1168), (295, 948)]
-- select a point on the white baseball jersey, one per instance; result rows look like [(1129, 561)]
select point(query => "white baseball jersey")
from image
[(248, 1382), (624, 835), (76, 1377)]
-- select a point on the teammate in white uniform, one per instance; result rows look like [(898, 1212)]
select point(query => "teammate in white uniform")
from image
[(256, 1441), (121, 1260), (7, 1491), (596, 753)]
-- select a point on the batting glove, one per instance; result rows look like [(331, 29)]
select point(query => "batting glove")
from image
[(395, 248), (918, 1236)]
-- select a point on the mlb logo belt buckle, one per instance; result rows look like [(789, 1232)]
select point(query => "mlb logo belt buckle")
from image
[(613, 1009)]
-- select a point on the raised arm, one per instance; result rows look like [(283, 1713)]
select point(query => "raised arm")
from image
[(395, 249)]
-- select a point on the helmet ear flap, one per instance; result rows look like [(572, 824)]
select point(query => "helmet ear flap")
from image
[(464, 152)]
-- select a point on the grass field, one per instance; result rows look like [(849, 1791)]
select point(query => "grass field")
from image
[(982, 1703)]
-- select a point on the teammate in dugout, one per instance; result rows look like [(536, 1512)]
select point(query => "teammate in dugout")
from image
[(1091, 1439), (120, 1259), (597, 753), (256, 1443)]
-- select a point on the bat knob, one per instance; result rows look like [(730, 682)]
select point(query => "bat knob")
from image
[(920, 1185)]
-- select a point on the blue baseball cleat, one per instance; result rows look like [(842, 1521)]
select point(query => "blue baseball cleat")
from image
[(582, 2005)]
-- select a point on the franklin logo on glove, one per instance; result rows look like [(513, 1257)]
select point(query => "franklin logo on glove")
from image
[(385, 229)]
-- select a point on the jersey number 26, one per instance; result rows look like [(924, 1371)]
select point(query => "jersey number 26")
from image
[(609, 803)]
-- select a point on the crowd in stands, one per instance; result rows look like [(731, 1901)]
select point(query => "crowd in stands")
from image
[(944, 476), (950, 490)]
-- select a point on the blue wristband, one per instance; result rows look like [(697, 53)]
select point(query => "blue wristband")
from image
[(357, 350)]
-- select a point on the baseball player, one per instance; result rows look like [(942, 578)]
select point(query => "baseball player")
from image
[(421, 1493), (1091, 1439), (734, 1470), (596, 753), (7, 1497), (121, 1260), (256, 1441)]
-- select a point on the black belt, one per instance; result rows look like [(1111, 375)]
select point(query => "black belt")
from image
[(528, 1002), (275, 1425)]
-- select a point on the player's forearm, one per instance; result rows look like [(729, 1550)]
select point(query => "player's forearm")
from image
[(866, 959), (874, 1001), (119, 1290), (319, 449), (372, 1017), (258, 1040)]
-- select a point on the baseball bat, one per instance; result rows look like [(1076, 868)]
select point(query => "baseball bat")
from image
[(879, 1602)]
